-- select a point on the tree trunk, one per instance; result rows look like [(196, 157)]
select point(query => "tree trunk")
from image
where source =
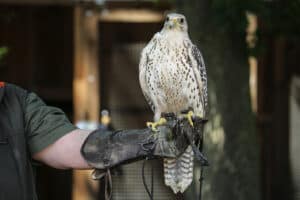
[(231, 143)]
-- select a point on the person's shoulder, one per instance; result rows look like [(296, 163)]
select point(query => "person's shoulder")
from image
[(15, 90), (12, 86)]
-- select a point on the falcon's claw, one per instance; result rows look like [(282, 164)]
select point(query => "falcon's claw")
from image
[(192, 117), (153, 125), (189, 117)]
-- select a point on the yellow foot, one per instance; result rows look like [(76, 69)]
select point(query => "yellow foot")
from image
[(153, 125), (190, 116)]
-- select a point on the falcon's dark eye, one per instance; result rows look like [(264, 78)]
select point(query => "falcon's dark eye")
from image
[(181, 20), (167, 19)]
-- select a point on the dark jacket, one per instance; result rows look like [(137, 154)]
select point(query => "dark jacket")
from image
[(15, 163)]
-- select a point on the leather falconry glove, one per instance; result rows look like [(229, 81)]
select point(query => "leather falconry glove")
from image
[(106, 149)]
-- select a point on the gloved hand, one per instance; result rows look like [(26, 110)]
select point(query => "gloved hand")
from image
[(107, 149)]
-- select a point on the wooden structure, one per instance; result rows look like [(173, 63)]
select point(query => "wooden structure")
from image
[(270, 79), (40, 60), (53, 51), (275, 69)]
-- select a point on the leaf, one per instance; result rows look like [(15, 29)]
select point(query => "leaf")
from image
[(3, 52)]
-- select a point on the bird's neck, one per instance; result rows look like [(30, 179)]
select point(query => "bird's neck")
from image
[(174, 36)]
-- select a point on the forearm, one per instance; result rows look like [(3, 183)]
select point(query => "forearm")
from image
[(105, 149), (65, 152)]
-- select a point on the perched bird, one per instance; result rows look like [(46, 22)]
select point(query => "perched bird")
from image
[(173, 79)]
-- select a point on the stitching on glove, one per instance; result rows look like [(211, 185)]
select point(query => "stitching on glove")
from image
[(149, 145)]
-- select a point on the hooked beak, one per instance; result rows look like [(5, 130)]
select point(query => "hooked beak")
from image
[(173, 24)]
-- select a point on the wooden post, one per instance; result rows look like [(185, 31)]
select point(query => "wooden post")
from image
[(85, 88), (280, 125), (86, 81), (251, 42)]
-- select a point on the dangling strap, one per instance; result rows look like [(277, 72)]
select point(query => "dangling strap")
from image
[(150, 193), (108, 185), (201, 170), (201, 182), (148, 146)]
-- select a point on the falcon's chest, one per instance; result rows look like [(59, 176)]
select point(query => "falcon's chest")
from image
[(169, 65)]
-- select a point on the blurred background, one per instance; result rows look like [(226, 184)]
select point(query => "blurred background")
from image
[(83, 56)]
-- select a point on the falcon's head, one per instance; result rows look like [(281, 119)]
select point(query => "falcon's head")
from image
[(175, 22)]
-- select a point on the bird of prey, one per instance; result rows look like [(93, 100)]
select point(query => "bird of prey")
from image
[(173, 79)]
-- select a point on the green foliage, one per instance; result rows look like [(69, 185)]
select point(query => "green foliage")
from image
[(230, 14), (3, 51), (281, 17), (278, 17)]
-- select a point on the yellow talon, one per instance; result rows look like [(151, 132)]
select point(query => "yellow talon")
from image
[(189, 116), (153, 125)]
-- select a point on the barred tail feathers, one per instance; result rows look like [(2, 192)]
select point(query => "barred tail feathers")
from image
[(179, 172)]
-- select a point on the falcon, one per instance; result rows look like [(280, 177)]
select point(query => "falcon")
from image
[(173, 79)]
